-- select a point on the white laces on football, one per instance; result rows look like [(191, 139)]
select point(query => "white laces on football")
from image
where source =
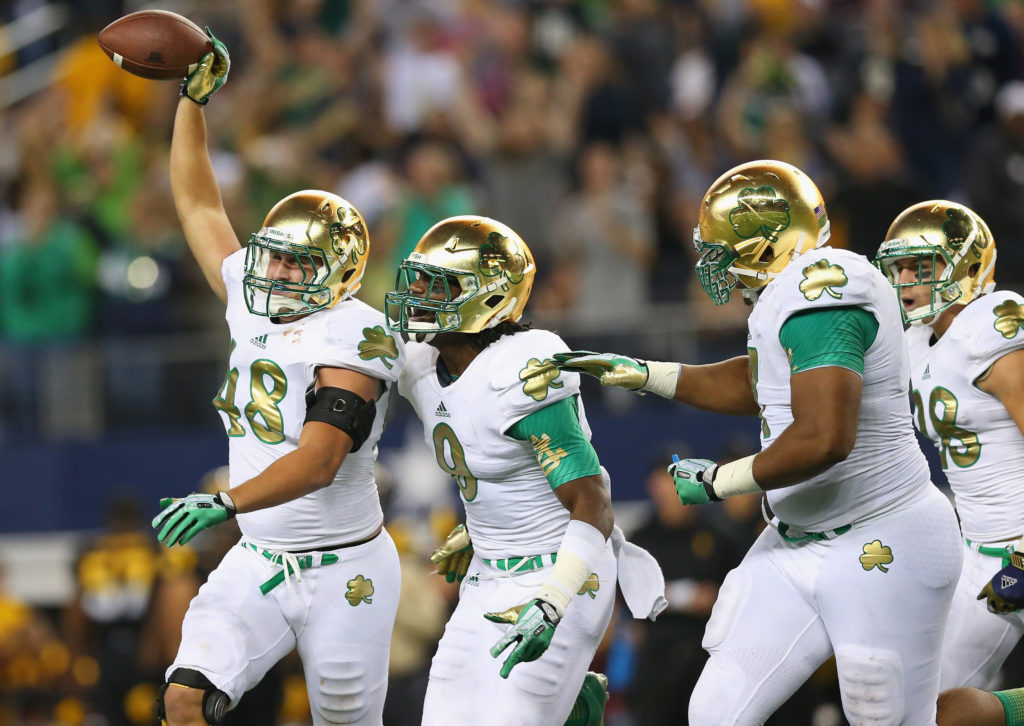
[(289, 566)]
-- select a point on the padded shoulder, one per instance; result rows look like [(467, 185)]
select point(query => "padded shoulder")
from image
[(825, 277), (512, 358), (357, 337), (991, 326)]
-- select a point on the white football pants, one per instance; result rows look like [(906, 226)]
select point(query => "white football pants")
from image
[(465, 688), (233, 633), (977, 641), (788, 607)]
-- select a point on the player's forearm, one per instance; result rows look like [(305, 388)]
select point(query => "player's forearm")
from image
[(294, 475), (722, 387), (799, 453), (594, 507), (193, 183)]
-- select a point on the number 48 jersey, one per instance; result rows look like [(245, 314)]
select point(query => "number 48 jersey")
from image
[(262, 404), (980, 446), (511, 509)]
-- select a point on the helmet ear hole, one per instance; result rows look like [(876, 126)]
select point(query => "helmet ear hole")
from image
[(347, 276), (493, 301), (767, 256)]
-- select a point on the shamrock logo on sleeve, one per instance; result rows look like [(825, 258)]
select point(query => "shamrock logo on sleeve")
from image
[(538, 376), (377, 343), (1009, 318), (822, 277), (759, 212)]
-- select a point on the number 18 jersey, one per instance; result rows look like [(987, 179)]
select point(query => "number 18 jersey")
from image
[(262, 404), (981, 449)]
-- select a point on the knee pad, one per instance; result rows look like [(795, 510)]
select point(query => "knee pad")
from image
[(215, 701), (871, 683), (340, 696), (589, 707)]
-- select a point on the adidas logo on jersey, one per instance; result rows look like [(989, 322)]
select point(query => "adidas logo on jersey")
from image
[(260, 341), (927, 373), (1006, 581), (442, 411)]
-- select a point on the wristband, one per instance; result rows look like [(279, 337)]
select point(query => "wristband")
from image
[(581, 545), (662, 378), (225, 499), (736, 477)]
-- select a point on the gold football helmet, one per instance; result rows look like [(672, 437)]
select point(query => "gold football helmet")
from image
[(753, 220), (466, 274), (325, 236), (939, 231)]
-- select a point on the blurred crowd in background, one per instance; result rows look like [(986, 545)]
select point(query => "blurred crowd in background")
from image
[(592, 127)]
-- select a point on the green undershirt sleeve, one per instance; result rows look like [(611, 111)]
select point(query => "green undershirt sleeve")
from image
[(1013, 704), (558, 441), (830, 337)]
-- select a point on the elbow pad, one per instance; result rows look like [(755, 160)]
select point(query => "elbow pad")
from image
[(341, 409)]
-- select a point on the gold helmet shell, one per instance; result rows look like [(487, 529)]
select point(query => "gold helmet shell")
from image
[(939, 231), (475, 272), (753, 220), (327, 238)]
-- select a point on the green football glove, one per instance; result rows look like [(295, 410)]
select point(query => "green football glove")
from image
[(454, 555), (532, 627), (694, 478), (609, 368), (211, 74), (183, 519)]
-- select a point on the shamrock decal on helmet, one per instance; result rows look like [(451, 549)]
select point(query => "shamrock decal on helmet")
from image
[(759, 212)]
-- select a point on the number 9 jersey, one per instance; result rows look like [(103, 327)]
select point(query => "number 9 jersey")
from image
[(980, 446), (511, 508), (262, 404)]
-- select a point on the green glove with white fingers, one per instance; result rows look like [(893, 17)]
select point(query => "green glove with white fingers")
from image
[(210, 75), (532, 628), (182, 519), (612, 369), (454, 555)]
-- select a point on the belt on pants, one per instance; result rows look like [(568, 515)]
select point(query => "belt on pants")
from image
[(790, 533), (523, 564), (1002, 553), (303, 562)]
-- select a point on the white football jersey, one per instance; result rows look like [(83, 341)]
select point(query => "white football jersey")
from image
[(886, 465), (980, 446), (510, 507), (262, 403)]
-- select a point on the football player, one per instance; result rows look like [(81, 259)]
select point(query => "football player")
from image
[(537, 569), (863, 552), (303, 403), (967, 368)]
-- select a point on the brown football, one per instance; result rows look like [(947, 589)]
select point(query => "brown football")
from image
[(155, 44)]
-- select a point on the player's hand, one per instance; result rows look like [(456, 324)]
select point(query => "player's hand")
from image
[(532, 627), (183, 519), (454, 555), (609, 368), (1005, 592), (693, 479), (211, 74)]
